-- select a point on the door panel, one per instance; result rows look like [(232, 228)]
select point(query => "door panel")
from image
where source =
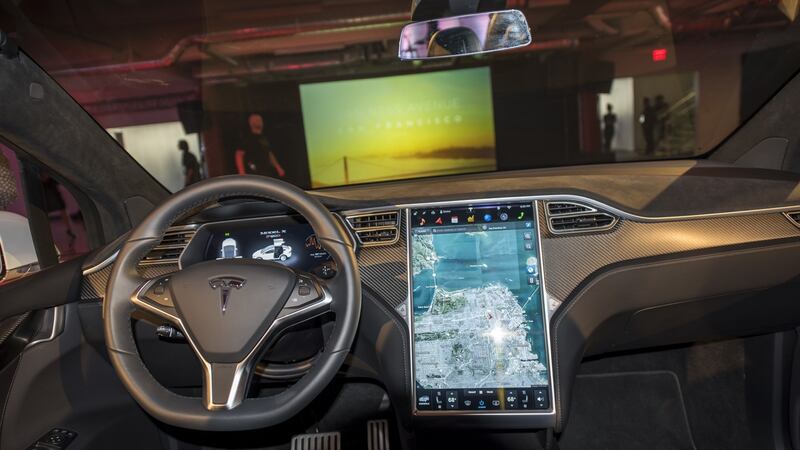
[(65, 383)]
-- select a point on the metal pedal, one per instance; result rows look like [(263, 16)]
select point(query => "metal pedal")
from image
[(317, 441), (378, 434)]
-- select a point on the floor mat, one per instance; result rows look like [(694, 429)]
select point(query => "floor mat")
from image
[(627, 410)]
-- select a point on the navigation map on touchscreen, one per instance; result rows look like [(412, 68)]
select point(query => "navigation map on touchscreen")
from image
[(477, 300)]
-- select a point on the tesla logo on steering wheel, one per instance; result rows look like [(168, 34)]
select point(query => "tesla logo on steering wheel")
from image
[(225, 285)]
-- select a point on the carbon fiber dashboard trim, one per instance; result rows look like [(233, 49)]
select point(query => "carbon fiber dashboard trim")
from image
[(93, 287), (383, 268), (569, 259), (94, 284)]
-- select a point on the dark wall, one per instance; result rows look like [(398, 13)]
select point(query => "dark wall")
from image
[(763, 73), (535, 124), (762, 77)]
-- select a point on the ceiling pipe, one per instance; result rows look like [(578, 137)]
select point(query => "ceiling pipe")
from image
[(704, 24), (175, 53)]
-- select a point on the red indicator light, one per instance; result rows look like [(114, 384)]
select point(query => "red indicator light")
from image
[(659, 54)]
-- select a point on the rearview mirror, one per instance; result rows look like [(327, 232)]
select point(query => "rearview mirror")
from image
[(470, 34)]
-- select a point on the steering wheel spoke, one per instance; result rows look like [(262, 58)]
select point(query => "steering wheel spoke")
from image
[(225, 384), (154, 296)]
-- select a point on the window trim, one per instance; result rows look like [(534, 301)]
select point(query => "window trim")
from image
[(38, 219)]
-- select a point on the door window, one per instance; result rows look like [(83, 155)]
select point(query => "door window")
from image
[(29, 193)]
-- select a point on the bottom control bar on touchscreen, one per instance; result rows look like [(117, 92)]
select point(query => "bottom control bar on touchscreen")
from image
[(478, 322)]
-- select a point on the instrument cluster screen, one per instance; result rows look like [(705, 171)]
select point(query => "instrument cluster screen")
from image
[(477, 310), (286, 240)]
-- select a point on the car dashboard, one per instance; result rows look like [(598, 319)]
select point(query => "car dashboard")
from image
[(478, 309)]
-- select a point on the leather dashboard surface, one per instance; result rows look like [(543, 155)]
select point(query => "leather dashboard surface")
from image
[(654, 189)]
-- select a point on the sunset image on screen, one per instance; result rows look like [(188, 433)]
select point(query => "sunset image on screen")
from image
[(407, 126)]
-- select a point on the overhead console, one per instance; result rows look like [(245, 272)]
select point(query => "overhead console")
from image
[(478, 319)]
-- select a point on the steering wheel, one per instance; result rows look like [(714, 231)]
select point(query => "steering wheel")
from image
[(229, 310)]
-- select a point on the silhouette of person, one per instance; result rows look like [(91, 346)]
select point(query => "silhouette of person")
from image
[(191, 168), (54, 202), (660, 130), (609, 127), (648, 122), (255, 155)]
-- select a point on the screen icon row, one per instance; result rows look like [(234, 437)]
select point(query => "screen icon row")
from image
[(483, 399), (513, 213)]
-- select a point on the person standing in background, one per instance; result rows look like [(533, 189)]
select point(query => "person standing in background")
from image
[(660, 132), (254, 156), (191, 168), (609, 127), (648, 122), (54, 203)]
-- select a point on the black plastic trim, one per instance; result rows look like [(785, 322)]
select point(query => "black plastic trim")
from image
[(54, 286)]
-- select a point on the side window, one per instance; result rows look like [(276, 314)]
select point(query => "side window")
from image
[(40, 220), (65, 218), (17, 252)]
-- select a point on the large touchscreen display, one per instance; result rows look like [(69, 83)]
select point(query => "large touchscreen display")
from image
[(477, 308)]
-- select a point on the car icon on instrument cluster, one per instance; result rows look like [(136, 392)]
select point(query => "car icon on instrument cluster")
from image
[(277, 251), (229, 249)]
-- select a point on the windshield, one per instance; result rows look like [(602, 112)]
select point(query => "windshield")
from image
[(312, 92)]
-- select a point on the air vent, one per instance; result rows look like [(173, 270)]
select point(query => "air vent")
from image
[(574, 217), (379, 228), (169, 250), (582, 222), (377, 237), (794, 217), (563, 208)]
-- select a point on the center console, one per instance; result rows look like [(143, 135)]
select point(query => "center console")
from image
[(477, 314)]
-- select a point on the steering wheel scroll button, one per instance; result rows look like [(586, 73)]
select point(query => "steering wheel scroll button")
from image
[(159, 293), (305, 292)]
